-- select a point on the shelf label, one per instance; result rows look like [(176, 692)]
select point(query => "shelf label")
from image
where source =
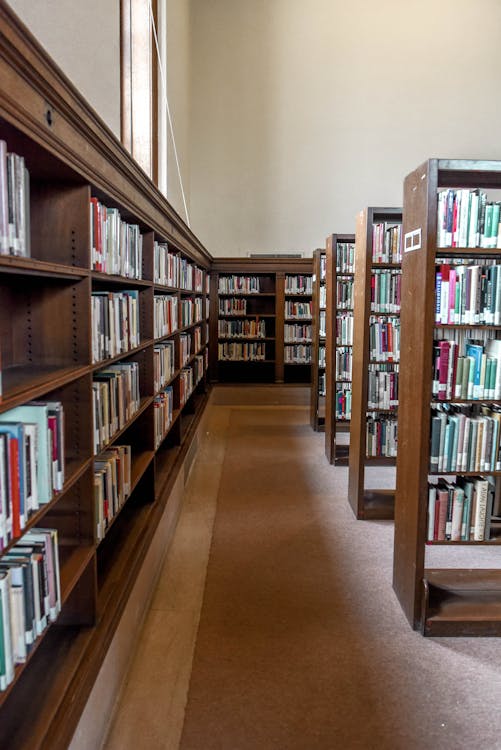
[(412, 240)]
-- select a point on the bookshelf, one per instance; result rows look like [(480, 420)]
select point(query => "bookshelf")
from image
[(445, 587), (252, 338), (49, 353), (319, 300), (339, 255), (376, 322)]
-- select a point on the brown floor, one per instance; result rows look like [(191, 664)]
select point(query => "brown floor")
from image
[(301, 643)]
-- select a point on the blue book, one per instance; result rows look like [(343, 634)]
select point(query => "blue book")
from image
[(476, 351), (37, 413)]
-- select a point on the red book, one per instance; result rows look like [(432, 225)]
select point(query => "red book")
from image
[(443, 370), (15, 486)]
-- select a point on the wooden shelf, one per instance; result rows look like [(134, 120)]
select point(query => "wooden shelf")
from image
[(461, 603), (454, 601), (335, 454), (267, 305), (26, 382), (46, 353), (367, 503)]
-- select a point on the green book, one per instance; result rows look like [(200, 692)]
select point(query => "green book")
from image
[(465, 376), (487, 379), (466, 522)]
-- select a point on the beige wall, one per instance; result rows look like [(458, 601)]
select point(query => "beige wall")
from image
[(83, 37), (304, 112), (178, 82)]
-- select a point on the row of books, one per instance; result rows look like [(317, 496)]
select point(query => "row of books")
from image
[(468, 295), (322, 384), (386, 290), (461, 511), (184, 348), (165, 315), (186, 385), (299, 354), (164, 359), (163, 406), (116, 398), (190, 276), (384, 339), (242, 328), (232, 306), (200, 366), (112, 485), (241, 352), (297, 332), (322, 297), (298, 284), (345, 257), (116, 246), (295, 309), (381, 437), (191, 311), (322, 320), (32, 463), (323, 267), (387, 242), (465, 438), (197, 338), (344, 329), (14, 204), (344, 293), (115, 323), (239, 284), (321, 356), (342, 401), (382, 387), (466, 218), (344, 363), (171, 269), (30, 597), (468, 369)]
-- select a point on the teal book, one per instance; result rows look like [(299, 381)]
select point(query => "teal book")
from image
[(38, 414)]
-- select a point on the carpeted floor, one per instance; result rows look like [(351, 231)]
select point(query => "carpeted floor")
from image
[(301, 643)]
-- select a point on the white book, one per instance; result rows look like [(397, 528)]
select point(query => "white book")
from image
[(18, 624), (5, 627)]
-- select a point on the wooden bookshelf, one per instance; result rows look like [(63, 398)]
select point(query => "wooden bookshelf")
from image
[(451, 596), (46, 354), (335, 422), (264, 307), (317, 392), (366, 502)]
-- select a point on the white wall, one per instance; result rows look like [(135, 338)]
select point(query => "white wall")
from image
[(83, 38), (304, 112)]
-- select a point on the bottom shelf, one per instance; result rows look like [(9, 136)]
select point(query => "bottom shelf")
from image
[(464, 602), (378, 505), (341, 454)]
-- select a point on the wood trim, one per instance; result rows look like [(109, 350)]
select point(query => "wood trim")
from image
[(333, 452), (364, 503)]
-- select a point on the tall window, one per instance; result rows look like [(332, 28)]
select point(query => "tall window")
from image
[(141, 83)]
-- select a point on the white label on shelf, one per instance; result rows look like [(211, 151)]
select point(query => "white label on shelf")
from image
[(412, 240)]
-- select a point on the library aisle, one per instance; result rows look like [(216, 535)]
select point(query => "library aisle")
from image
[(301, 642)]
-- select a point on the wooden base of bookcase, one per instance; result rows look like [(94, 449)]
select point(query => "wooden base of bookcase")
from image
[(73, 656), (461, 603), (378, 505)]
